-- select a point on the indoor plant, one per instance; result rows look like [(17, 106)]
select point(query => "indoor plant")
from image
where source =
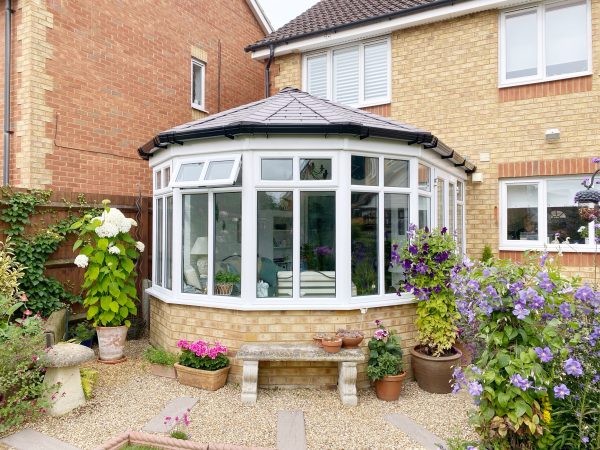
[(162, 362), (224, 282), (385, 366), (428, 261), (350, 338), (108, 253), (202, 365)]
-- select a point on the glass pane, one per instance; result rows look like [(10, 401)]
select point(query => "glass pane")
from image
[(167, 172), (276, 169), (521, 44), (365, 261), (190, 172), (452, 209), (522, 212), (158, 266), (316, 67), (424, 178), (195, 243), (315, 169), (395, 173), (317, 244), (424, 212), (376, 70), (461, 191), (219, 170), (169, 244), (157, 180), (566, 39), (562, 213), (396, 223), (275, 244), (197, 84), (460, 226), (441, 203), (228, 243), (345, 75), (365, 171)]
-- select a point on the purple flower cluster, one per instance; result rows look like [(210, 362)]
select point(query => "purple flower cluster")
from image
[(561, 391), (573, 367), (323, 250), (544, 354), (520, 382)]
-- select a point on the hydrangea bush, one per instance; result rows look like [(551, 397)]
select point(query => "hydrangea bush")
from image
[(108, 253), (203, 355)]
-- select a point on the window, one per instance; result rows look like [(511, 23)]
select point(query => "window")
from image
[(277, 169), (208, 172), (195, 243), (357, 75), (162, 177), (315, 169), (460, 216), (163, 245), (365, 254), (540, 212), (228, 239), (198, 77), (549, 41), (365, 171), (395, 230)]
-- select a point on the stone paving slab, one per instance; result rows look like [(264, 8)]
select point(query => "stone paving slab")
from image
[(416, 431), (290, 430), (175, 408), (29, 439)]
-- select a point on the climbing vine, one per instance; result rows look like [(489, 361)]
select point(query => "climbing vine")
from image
[(32, 249)]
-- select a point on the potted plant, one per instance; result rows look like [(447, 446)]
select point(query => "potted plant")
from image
[(84, 334), (331, 344), (108, 253), (318, 338), (224, 282), (350, 338), (385, 367), (162, 362), (428, 261), (202, 364)]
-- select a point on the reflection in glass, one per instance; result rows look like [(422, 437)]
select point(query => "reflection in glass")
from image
[(365, 280), (521, 43), (195, 243), (167, 172), (522, 212), (317, 244), (441, 202), (460, 226), (424, 178), (276, 169), (190, 172), (424, 212), (218, 170), (397, 218), (452, 209), (395, 173), (275, 244), (566, 39), (228, 237), (157, 180), (365, 171), (315, 169), (169, 243), (562, 214), (158, 274)]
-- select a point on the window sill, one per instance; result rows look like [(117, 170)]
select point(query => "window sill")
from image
[(572, 248), (508, 84), (199, 108)]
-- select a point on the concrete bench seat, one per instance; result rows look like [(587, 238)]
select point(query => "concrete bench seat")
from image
[(251, 354)]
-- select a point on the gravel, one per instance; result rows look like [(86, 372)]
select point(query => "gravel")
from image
[(127, 396)]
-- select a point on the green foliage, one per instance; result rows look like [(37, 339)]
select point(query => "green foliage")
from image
[(223, 277), (190, 359), (487, 254), (83, 332), (385, 354), (160, 356), (178, 434), (109, 253), (88, 380), (11, 271)]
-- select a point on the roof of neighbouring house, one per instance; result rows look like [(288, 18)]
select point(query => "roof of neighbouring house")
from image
[(292, 111), (330, 15)]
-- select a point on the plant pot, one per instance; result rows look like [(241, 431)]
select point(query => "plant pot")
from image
[(318, 341), (210, 380), (111, 343), (223, 288), (161, 370), (389, 387), (88, 342), (351, 342), (467, 353), (434, 373), (332, 346)]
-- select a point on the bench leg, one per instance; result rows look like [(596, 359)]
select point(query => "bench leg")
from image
[(347, 383), (249, 382)]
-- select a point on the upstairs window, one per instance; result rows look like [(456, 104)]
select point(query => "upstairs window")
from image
[(356, 75), (546, 42), (198, 77)]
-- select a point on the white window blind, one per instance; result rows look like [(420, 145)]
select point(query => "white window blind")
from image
[(566, 39), (345, 75), (521, 45), (316, 67), (376, 71)]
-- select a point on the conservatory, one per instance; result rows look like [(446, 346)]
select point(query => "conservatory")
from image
[(284, 212)]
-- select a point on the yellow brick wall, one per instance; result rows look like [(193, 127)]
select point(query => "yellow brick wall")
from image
[(287, 71), (169, 323)]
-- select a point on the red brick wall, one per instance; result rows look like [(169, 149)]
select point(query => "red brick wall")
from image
[(548, 88), (121, 74)]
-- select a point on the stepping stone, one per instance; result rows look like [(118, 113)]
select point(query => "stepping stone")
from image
[(416, 431), (290, 430), (28, 439), (175, 408)]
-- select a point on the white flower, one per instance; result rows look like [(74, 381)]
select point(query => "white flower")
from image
[(140, 246), (107, 229), (133, 222), (114, 250), (82, 261), (124, 225)]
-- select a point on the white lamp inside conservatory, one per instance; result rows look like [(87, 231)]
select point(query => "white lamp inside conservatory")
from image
[(200, 249)]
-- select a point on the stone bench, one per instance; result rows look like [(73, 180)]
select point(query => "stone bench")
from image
[(347, 359)]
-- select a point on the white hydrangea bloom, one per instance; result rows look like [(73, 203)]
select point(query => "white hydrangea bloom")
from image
[(140, 246), (124, 225), (133, 222), (82, 261), (107, 229), (114, 250)]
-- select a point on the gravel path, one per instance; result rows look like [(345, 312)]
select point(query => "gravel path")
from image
[(126, 397)]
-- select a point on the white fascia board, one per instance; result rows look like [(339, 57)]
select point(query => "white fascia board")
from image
[(387, 26), (260, 15)]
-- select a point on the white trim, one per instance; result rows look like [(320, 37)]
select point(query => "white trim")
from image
[(202, 65), (202, 181), (261, 17)]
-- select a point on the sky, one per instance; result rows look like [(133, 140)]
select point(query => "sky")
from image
[(281, 12)]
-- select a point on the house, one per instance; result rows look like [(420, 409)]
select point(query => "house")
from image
[(511, 85), (90, 80)]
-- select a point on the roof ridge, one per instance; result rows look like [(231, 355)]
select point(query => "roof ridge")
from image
[(306, 106)]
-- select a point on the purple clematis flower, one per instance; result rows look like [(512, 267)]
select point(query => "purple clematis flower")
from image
[(565, 310), (573, 367), (561, 391), (475, 388), (545, 354), (520, 382), (520, 311)]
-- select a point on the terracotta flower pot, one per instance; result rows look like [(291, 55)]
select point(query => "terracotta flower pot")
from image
[(389, 387), (318, 341), (351, 342), (434, 373), (332, 346), (223, 288), (161, 370), (210, 380), (111, 343)]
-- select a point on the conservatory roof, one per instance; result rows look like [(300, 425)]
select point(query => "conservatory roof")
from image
[(292, 111)]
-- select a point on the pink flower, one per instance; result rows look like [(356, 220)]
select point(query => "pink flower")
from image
[(35, 358), (23, 297), (27, 312), (380, 334)]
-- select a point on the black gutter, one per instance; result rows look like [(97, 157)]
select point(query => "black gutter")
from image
[(268, 71), (7, 60), (366, 21)]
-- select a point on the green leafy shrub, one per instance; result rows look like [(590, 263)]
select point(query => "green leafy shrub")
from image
[(84, 331), (109, 253), (385, 353), (11, 271), (222, 277), (160, 356), (88, 381), (487, 254), (202, 355)]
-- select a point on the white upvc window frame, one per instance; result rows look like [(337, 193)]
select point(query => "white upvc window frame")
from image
[(201, 181), (164, 173), (461, 219), (540, 9), (163, 197), (362, 103), (202, 65), (542, 242)]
